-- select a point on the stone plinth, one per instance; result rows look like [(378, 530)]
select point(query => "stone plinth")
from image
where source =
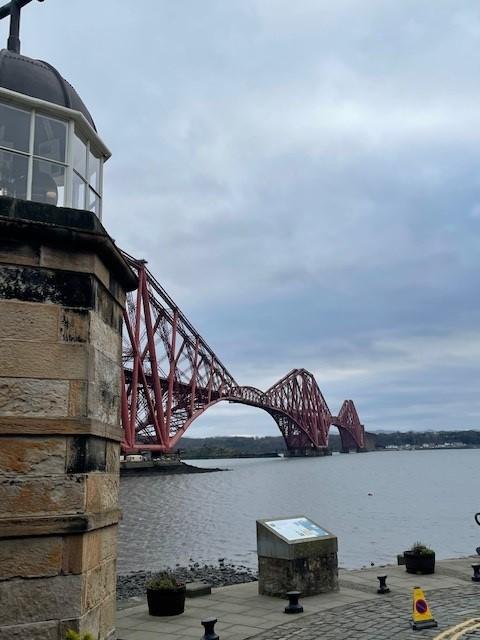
[(295, 554), (62, 290)]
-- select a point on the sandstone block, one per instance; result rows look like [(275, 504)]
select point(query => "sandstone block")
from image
[(55, 258), (67, 524), (87, 551), (34, 360), (40, 599), (100, 583), (108, 307), (102, 273), (87, 623), (77, 399), (46, 286), (99, 546), (31, 558), (33, 456), (86, 454), (56, 426), (73, 551), (18, 252), (105, 339), (113, 458), (108, 612), (33, 397), (28, 321), (74, 325), (38, 631), (102, 491), (104, 389), (98, 621), (42, 495), (104, 400)]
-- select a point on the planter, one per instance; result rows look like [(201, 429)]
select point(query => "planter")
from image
[(166, 602), (419, 563)]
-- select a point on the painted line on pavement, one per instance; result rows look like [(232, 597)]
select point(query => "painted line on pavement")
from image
[(456, 632), (461, 633)]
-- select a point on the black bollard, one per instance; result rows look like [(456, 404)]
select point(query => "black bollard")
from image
[(209, 624), (383, 585), (293, 606), (476, 573)]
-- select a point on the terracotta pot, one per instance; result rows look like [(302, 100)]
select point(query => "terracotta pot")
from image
[(166, 602), (419, 563)]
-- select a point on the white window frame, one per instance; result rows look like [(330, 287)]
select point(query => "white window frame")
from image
[(75, 121)]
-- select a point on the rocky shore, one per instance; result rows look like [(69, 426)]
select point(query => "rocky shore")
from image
[(219, 575)]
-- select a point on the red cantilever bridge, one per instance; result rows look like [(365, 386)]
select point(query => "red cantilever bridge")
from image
[(171, 377)]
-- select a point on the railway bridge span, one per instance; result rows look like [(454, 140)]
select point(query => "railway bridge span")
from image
[(171, 377)]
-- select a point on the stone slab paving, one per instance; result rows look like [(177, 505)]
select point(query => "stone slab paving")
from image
[(356, 611)]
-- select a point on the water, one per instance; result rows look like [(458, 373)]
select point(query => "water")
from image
[(429, 496)]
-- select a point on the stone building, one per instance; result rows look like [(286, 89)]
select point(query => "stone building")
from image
[(62, 291)]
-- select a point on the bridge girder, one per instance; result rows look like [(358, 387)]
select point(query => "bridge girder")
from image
[(171, 376)]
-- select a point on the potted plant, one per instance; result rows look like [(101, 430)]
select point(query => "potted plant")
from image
[(73, 635), (165, 595), (419, 559)]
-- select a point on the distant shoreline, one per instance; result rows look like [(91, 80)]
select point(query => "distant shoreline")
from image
[(275, 455), (215, 447), (181, 465)]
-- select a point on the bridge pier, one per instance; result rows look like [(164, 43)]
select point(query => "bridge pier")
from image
[(308, 453)]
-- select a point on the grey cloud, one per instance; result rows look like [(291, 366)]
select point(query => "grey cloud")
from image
[(302, 178)]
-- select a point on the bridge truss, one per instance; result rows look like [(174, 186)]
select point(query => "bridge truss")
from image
[(171, 376)]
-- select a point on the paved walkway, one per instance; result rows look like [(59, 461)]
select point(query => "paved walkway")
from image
[(355, 612)]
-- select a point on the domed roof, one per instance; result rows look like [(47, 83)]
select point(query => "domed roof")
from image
[(39, 80)]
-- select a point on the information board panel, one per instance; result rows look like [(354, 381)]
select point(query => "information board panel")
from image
[(296, 528)]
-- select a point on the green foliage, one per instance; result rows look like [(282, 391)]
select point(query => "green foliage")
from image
[(241, 446), (421, 549), (468, 438), (164, 580), (230, 447), (73, 635)]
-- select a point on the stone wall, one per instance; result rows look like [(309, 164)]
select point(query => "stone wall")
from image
[(310, 576), (62, 289)]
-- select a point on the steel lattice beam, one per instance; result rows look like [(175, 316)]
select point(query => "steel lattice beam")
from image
[(171, 376)]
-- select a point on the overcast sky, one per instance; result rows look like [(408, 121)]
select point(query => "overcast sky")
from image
[(304, 180)]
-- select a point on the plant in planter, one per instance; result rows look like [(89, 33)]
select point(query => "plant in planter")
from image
[(165, 595), (419, 559), (73, 635)]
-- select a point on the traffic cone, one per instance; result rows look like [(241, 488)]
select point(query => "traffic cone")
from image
[(421, 615)]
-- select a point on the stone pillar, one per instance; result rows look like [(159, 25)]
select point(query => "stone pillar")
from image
[(62, 289), (295, 554)]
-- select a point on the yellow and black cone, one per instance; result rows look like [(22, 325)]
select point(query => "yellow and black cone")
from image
[(421, 615)]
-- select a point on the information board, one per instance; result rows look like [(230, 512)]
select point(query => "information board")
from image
[(296, 528)]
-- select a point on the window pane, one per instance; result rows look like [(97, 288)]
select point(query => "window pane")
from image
[(93, 202), (13, 175), (50, 138), (48, 182), (14, 128), (80, 156), (94, 171), (78, 196)]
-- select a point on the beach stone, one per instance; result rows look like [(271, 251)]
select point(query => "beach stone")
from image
[(133, 584)]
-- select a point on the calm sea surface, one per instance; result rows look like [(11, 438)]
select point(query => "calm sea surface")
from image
[(417, 495)]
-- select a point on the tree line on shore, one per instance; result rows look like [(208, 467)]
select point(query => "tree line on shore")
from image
[(243, 446), (470, 438)]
